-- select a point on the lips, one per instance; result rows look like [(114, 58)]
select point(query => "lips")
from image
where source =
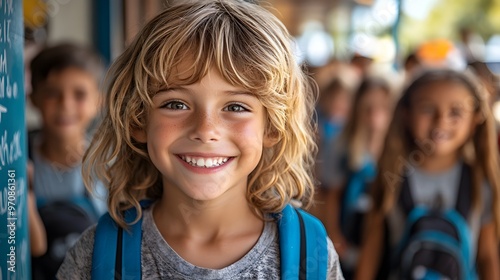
[(64, 121), (205, 162), (440, 135)]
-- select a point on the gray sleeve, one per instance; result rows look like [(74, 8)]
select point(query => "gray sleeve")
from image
[(77, 264), (487, 204), (334, 271), (332, 171)]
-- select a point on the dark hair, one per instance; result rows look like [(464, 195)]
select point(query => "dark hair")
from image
[(65, 56), (371, 83), (429, 76)]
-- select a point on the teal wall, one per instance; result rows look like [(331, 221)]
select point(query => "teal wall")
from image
[(14, 240)]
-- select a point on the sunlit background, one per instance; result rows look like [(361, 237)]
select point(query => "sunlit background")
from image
[(385, 31)]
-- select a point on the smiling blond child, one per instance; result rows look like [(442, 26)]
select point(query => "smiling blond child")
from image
[(208, 117)]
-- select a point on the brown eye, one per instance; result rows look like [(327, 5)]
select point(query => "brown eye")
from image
[(80, 95), (235, 108), (49, 94), (426, 109), (456, 112), (175, 105)]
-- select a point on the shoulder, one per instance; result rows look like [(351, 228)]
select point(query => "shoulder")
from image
[(78, 260), (318, 231), (333, 163), (334, 271)]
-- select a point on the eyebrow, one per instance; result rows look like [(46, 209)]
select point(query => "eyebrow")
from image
[(186, 90), (239, 92)]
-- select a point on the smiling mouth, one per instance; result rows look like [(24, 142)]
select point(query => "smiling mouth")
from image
[(205, 162), (64, 121), (439, 136)]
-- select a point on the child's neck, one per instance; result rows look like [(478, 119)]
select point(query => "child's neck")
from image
[(375, 142), (193, 217), (438, 163), (66, 152), (208, 234)]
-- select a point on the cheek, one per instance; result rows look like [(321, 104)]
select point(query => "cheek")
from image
[(90, 110), (49, 108), (250, 131), (249, 137), (468, 130), (163, 129), (419, 125)]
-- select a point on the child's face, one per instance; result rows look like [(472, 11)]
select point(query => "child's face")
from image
[(442, 117), (337, 105), (374, 110), (205, 138), (68, 100)]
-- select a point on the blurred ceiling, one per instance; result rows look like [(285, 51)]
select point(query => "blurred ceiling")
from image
[(295, 12)]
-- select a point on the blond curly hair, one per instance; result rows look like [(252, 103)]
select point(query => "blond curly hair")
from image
[(251, 48)]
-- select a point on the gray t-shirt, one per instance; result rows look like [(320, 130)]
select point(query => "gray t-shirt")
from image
[(53, 182), (160, 261), (440, 190), (334, 170), (332, 167)]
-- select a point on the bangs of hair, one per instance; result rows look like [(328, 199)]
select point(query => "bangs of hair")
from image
[(465, 79), (244, 53)]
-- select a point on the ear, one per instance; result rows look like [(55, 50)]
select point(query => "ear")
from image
[(479, 118), (34, 100), (139, 135), (271, 139)]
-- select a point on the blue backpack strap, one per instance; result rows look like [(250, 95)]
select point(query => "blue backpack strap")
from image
[(303, 245), (114, 246), (105, 244), (464, 201), (356, 186), (131, 247)]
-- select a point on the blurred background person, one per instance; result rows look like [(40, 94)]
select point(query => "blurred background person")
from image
[(65, 81), (350, 165), (337, 82), (438, 183)]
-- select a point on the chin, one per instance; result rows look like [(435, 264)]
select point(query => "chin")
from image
[(439, 152), (206, 194)]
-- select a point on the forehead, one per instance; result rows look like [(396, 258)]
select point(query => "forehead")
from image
[(443, 93), (376, 93), (208, 76), (71, 74), (183, 70)]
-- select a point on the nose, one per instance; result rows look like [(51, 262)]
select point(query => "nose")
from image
[(65, 101), (205, 127), (443, 119)]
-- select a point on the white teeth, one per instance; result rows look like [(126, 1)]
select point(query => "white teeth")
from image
[(204, 162)]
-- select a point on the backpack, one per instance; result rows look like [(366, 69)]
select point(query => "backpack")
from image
[(355, 203), (64, 222), (436, 244), (303, 246)]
